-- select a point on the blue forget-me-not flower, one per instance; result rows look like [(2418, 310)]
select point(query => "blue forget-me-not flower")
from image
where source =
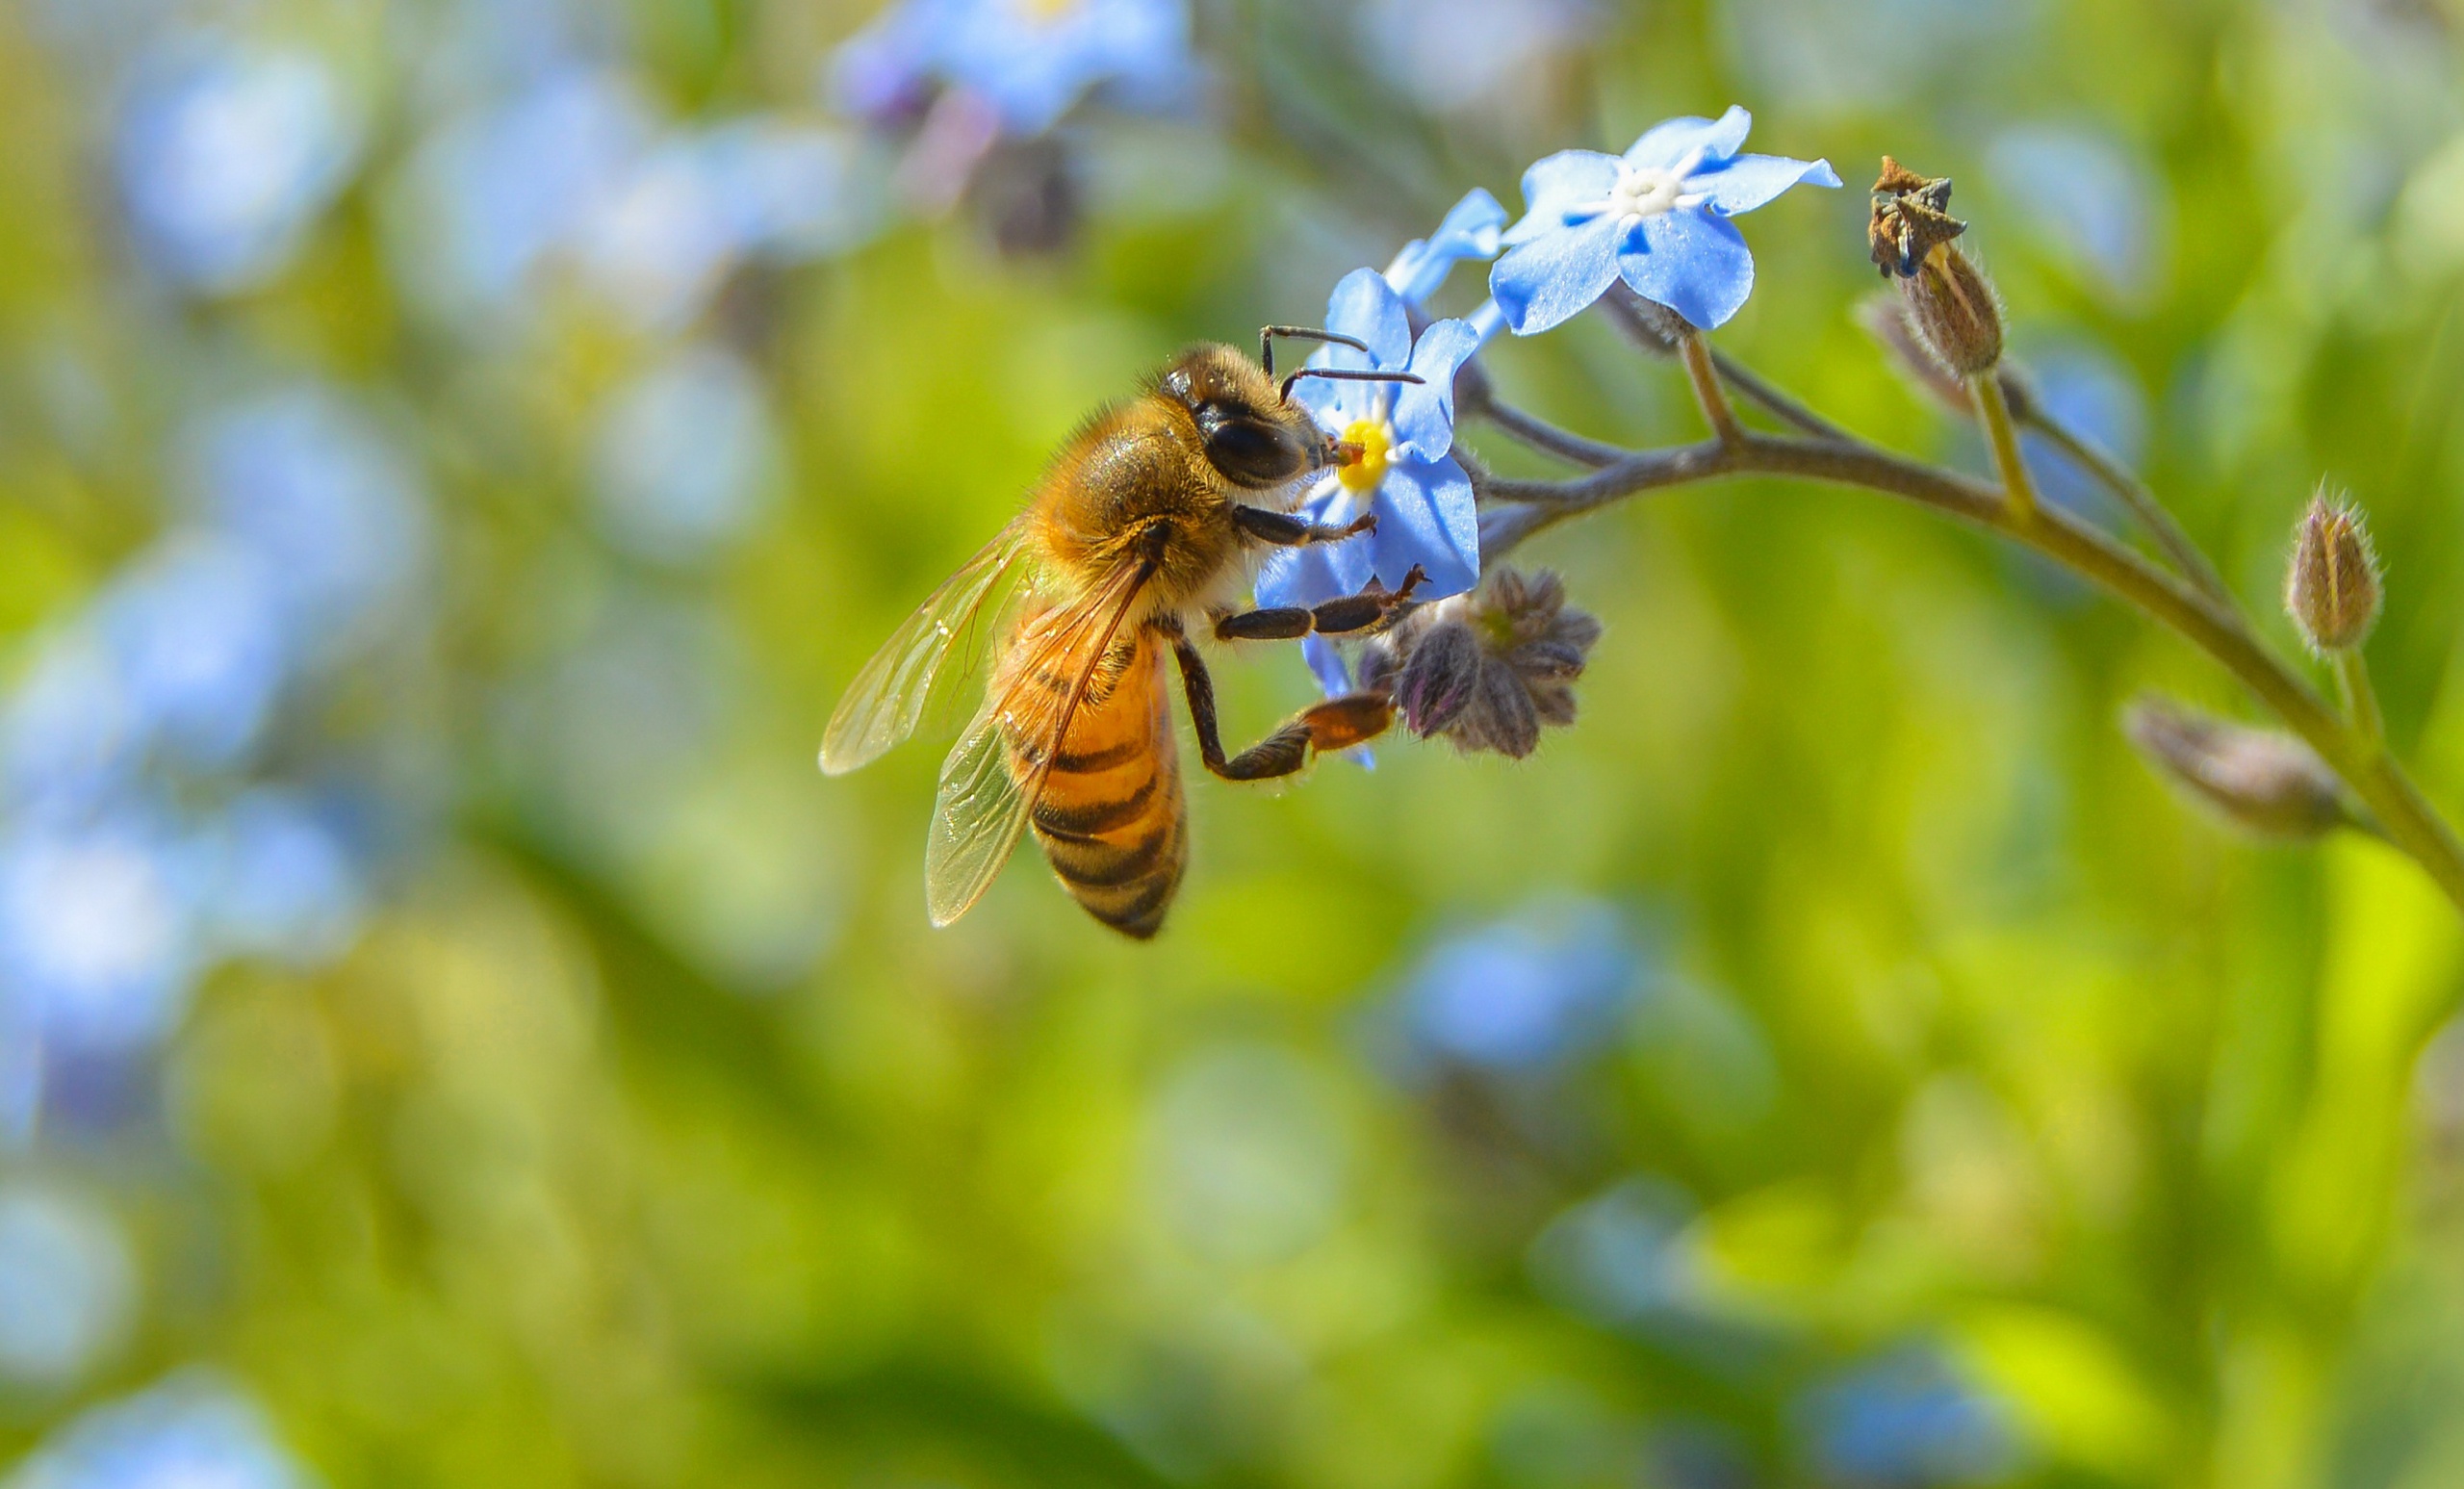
[(1656, 215), (1438, 505), (1470, 230), (1030, 60), (1405, 473)]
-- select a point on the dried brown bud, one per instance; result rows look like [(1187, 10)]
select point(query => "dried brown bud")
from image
[(2267, 781), (1488, 669), (1912, 218), (2332, 586), (1951, 305)]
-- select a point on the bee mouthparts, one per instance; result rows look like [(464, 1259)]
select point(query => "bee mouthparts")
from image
[(1347, 452)]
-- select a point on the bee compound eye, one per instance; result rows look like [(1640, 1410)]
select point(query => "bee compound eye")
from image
[(1247, 449)]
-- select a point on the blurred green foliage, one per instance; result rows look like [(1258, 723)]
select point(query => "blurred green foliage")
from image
[(1950, 1030)]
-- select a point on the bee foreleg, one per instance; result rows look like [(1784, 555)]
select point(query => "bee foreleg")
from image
[(1337, 724), (1282, 531)]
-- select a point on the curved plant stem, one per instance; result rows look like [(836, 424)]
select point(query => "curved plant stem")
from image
[(1519, 509), (2132, 493), (1548, 439), (1773, 400)]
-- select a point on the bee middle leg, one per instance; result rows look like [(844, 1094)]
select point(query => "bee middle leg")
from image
[(1337, 724), (1368, 610)]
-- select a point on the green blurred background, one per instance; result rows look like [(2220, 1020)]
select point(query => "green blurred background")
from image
[(453, 452)]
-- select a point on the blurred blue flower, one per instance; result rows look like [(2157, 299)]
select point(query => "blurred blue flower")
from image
[(2090, 390), (1658, 216), (660, 241), (686, 456), (1405, 474), (1460, 54), (1619, 1257), (192, 1431), (1469, 231), (1904, 1422), (200, 651), (279, 881), (1030, 60), (2092, 197), (20, 1074), (98, 935), (1526, 992), (65, 1284), (494, 193), (68, 737), (792, 192), (226, 155), (309, 486)]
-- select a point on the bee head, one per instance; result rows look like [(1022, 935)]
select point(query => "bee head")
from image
[(1245, 428)]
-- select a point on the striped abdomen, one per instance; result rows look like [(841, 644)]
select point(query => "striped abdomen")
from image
[(1110, 819)]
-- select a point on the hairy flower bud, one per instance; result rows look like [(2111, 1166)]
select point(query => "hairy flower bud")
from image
[(1951, 305), (2267, 781), (1489, 668), (2332, 586), (1887, 319)]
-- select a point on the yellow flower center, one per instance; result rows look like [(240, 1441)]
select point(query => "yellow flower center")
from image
[(1047, 11), (1376, 438)]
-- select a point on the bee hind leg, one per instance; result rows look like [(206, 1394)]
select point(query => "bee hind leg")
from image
[(1337, 724)]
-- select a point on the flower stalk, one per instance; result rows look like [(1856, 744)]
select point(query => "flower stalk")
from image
[(1516, 510), (1993, 412)]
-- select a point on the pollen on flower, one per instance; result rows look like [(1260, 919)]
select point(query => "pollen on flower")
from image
[(1375, 439)]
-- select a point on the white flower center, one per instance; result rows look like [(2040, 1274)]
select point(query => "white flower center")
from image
[(1648, 192)]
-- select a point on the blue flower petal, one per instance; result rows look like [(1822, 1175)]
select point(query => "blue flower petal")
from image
[(1693, 263), (1665, 146), (1334, 402), (1470, 231), (1353, 561), (1567, 179), (1424, 411), (1549, 278), (1364, 306), (1426, 516), (1748, 181), (1327, 663), (1298, 576)]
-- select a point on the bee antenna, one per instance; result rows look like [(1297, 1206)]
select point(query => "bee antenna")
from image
[(1306, 333), (1347, 374)]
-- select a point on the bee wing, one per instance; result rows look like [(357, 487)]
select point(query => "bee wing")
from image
[(984, 803), (887, 699)]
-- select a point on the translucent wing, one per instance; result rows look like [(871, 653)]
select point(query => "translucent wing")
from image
[(887, 697), (984, 802)]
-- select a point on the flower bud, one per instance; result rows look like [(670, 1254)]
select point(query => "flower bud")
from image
[(2267, 781), (1951, 305), (1489, 668), (1887, 318), (1648, 324), (2332, 586)]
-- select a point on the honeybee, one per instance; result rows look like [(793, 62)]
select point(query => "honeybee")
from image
[(1142, 529)]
